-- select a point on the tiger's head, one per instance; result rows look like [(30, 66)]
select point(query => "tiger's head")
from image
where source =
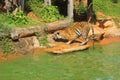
[(59, 36)]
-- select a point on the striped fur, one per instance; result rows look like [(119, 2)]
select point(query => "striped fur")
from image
[(72, 33)]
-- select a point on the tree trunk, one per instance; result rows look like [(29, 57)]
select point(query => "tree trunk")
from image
[(47, 2), (25, 32), (70, 8), (22, 4), (90, 10)]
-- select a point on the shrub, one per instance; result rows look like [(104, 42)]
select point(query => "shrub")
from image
[(46, 13), (80, 12), (80, 8), (19, 18), (5, 42), (42, 40), (50, 14)]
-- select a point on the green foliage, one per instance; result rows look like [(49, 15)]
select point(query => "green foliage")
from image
[(4, 29), (12, 21), (7, 46), (5, 42), (107, 7), (80, 12), (19, 18), (50, 14), (37, 34), (81, 8), (42, 39), (4, 19), (35, 4), (47, 13)]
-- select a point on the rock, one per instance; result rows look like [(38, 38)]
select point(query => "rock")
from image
[(64, 48), (50, 40), (106, 23), (112, 32), (25, 45)]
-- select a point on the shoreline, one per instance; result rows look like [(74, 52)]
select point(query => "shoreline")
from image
[(102, 42)]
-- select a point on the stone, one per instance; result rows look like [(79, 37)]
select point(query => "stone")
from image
[(25, 45), (62, 48), (112, 32), (106, 23)]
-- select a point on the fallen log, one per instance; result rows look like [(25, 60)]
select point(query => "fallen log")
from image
[(58, 25), (49, 27), (64, 48), (25, 32)]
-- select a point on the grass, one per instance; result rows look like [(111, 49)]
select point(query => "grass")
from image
[(101, 64), (8, 21), (107, 7)]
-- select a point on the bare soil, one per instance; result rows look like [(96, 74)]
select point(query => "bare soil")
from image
[(105, 41)]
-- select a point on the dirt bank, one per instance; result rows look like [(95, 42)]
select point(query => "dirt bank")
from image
[(105, 41)]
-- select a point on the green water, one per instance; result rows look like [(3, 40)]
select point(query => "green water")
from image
[(102, 63)]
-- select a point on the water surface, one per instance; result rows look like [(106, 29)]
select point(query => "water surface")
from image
[(102, 63)]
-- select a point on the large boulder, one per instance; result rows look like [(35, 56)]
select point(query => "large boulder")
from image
[(26, 45)]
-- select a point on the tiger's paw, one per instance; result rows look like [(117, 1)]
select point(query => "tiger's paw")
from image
[(83, 43)]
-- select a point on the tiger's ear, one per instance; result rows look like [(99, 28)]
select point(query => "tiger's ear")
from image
[(57, 32)]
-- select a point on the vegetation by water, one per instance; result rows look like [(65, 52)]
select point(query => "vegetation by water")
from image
[(6, 43), (102, 63), (107, 7)]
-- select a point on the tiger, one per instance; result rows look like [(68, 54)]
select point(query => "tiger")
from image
[(70, 34)]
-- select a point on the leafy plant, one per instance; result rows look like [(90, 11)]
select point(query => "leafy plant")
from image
[(46, 13), (19, 18), (37, 34), (42, 39), (50, 14), (7, 45), (35, 6), (80, 8), (11, 21), (5, 42), (80, 12)]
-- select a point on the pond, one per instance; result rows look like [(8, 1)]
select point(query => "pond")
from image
[(102, 63)]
